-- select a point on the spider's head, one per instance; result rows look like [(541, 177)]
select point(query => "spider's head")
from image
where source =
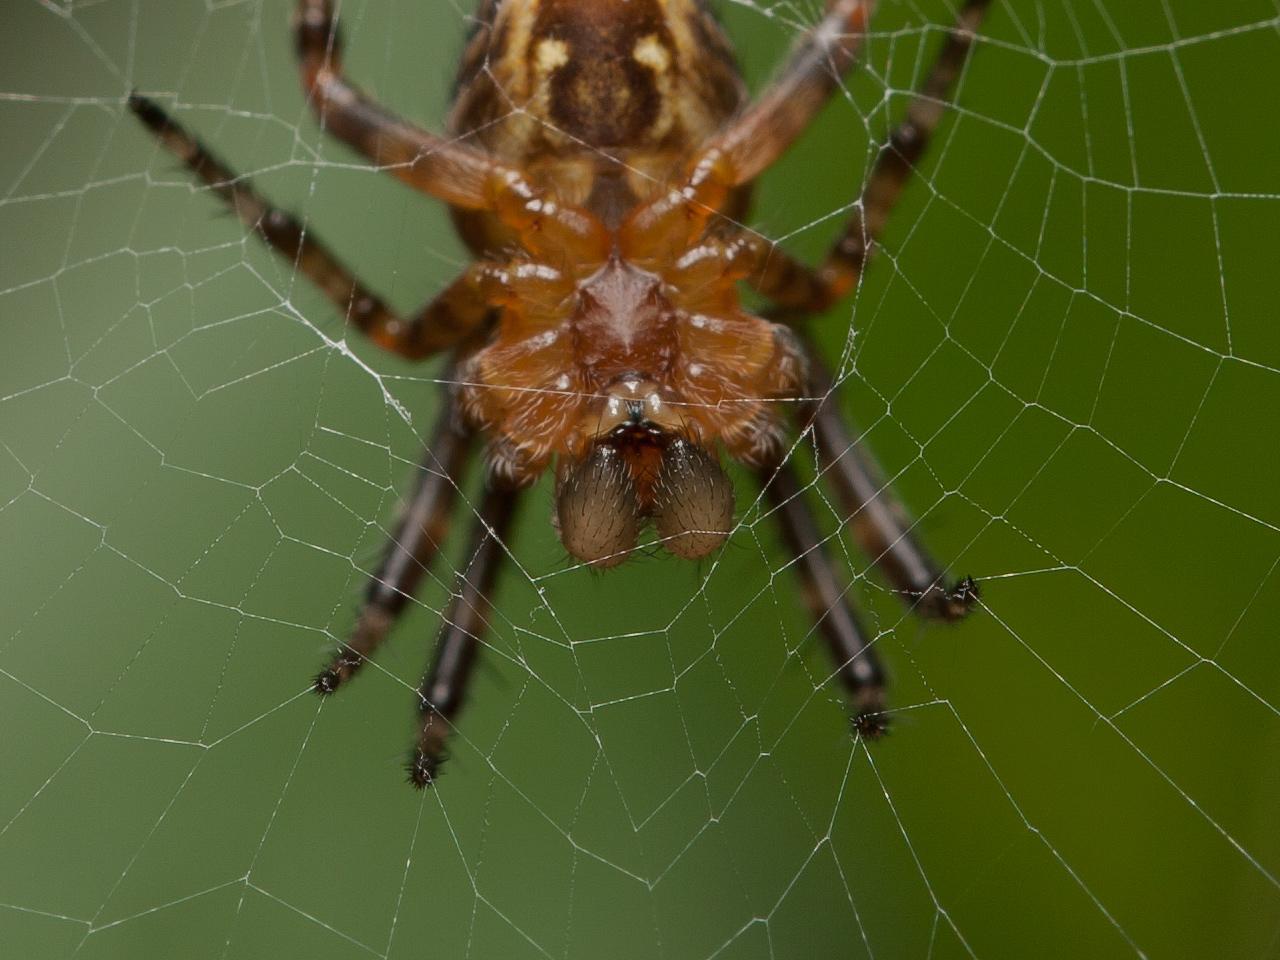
[(632, 380), (641, 466)]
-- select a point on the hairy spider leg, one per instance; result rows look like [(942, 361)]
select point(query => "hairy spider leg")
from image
[(739, 153), (459, 310), (879, 522), (827, 596), (461, 175), (898, 158), (420, 532), (456, 312), (762, 133), (452, 171), (799, 289), (755, 139), (466, 621), (747, 145)]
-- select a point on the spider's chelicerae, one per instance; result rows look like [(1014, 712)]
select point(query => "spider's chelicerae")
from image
[(600, 162)]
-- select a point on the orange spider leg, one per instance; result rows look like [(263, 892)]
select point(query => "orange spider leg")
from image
[(460, 175), (880, 524), (454, 314), (761, 134), (454, 172), (551, 231), (743, 149), (797, 288), (898, 158)]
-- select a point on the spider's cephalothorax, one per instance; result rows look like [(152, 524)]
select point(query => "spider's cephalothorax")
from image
[(626, 334), (599, 168), (608, 370), (628, 353)]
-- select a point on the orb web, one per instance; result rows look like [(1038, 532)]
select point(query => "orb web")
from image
[(1064, 356)]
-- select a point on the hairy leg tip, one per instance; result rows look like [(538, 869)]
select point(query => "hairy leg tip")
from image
[(870, 724), (962, 598), (952, 603), (326, 682), (147, 111), (423, 769)]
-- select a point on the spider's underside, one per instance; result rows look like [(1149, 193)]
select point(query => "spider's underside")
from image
[(599, 165)]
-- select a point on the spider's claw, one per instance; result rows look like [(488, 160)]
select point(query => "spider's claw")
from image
[(326, 682), (961, 599), (341, 668), (870, 724), (423, 768), (953, 604), (148, 111)]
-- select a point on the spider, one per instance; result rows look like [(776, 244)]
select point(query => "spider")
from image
[(600, 160)]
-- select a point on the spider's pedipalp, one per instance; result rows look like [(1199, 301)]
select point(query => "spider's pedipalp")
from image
[(597, 510), (693, 502)]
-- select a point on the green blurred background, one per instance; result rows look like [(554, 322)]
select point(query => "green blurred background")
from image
[(1066, 356)]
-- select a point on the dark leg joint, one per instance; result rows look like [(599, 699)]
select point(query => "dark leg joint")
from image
[(908, 142), (314, 29), (281, 231)]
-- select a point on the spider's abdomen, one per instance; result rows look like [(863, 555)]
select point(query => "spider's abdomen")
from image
[(599, 101)]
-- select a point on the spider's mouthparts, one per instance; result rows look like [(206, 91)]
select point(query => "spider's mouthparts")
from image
[(633, 402), (638, 473)]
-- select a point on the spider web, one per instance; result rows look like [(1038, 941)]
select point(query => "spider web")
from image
[(1065, 357)]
